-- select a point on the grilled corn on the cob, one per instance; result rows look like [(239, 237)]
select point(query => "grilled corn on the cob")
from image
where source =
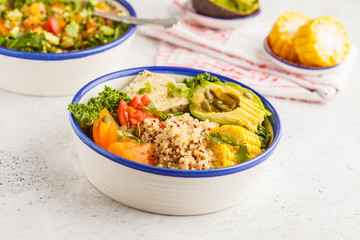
[(321, 42), (282, 34), (225, 153)]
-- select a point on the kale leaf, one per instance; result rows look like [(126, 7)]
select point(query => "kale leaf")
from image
[(86, 114)]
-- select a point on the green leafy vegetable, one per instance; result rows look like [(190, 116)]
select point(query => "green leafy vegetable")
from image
[(186, 87), (86, 114), (264, 136), (3, 14), (125, 134), (20, 3), (199, 80), (152, 108), (242, 154), (30, 42), (146, 89), (178, 89)]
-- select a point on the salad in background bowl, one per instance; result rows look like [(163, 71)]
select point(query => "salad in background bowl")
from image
[(173, 140), (59, 45)]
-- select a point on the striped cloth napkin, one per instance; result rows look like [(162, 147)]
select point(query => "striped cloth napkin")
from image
[(239, 54)]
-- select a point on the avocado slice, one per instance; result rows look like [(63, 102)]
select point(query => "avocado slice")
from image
[(228, 103), (226, 8)]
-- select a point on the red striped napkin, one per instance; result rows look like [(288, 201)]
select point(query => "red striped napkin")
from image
[(239, 54)]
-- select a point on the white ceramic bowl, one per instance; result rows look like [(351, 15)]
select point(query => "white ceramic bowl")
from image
[(161, 190), (218, 23), (295, 68), (58, 74)]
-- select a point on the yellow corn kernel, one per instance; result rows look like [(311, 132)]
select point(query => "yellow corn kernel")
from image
[(322, 42), (281, 36), (225, 153)]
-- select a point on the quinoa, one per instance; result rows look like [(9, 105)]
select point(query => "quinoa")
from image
[(181, 144)]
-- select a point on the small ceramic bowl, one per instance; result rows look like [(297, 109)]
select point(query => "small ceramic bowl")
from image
[(162, 190), (218, 23), (59, 74), (295, 68)]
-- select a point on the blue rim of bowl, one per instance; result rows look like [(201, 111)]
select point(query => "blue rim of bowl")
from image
[(74, 54), (254, 14), (275, 122), (270, 52)]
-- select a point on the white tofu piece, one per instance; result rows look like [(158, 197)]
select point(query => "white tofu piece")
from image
[(159, 95)]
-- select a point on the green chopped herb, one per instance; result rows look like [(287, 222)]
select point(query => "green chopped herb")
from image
[(125, 134), (30, 42), (146, 89), (152, 108), (199, 80), (242, 154), (178, 89)]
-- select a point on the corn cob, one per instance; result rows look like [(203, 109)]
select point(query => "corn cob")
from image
[(281, 36), (225, 153), (322, 42)]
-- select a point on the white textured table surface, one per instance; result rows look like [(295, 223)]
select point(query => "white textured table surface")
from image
[(311, 187)]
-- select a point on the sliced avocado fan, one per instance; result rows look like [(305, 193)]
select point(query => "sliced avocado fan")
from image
[(228, 103)]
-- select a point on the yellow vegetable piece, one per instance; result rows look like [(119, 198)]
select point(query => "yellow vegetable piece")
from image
[(36, 8), (282, 34), (104, 134), (225, 153), (322, 42)]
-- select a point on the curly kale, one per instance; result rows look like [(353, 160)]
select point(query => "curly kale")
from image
[(86, 114)]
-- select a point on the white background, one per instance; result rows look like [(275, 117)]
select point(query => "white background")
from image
[(311, 188)]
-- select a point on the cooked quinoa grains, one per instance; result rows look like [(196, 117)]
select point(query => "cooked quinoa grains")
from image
[(180, 142)]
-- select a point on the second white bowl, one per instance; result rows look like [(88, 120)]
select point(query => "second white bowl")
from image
[(59, 74)]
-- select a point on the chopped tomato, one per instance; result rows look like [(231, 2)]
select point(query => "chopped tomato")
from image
[(145, 100), (52, 25), (123, 114), (133, 114), (137, 152), (136, 102), (136, 116)]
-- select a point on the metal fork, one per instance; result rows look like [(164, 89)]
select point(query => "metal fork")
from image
[(165, 22)]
